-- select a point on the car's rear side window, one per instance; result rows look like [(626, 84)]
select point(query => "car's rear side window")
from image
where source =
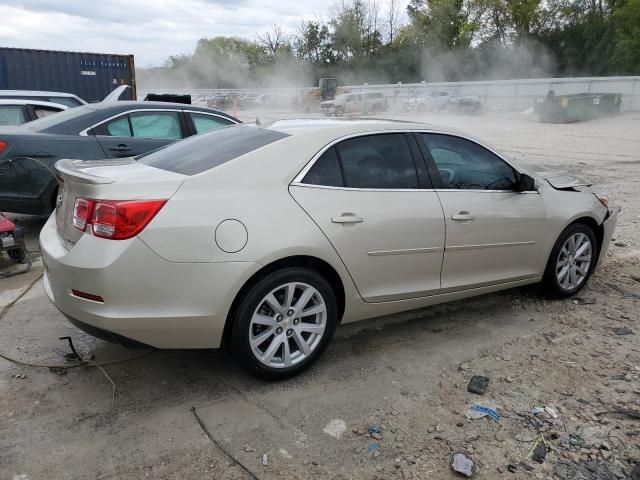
[(380, 161), (208, 150)]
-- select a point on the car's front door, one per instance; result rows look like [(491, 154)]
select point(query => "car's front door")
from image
[(494, 233), (139, 132), (375, 204)]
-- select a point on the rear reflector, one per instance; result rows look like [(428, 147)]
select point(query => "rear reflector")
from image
[(87, 296), (3, 145)]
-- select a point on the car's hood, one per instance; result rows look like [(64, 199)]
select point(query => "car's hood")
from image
[(328, 103), (561, 179)]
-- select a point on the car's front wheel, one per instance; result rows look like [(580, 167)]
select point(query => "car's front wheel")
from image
[(284, 323), (572, 260)]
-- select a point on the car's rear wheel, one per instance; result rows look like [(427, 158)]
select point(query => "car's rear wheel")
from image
[(572, 260), (17, 254), (284, 323)]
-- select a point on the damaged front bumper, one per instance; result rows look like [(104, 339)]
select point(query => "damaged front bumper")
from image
[(609, 226)]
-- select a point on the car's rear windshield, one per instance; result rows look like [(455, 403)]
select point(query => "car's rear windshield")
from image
[(208, 150)]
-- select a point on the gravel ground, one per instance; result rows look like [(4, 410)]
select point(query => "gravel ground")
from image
[(406, 374)]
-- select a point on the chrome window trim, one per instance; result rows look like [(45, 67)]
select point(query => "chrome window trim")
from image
[(357, 189), (437, 190), (212, 115), (84, 133), (297, 181)]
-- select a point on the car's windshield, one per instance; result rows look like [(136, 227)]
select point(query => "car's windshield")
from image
[(66, 101)]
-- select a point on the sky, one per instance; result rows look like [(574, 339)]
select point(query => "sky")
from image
[(150, 29)]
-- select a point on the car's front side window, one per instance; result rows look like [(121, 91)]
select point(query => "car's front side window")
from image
[(156, 125), (463, 164), (381, 161)]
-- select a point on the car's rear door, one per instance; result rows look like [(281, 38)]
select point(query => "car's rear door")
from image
[(495, 233), (374, 202), (140, 131)]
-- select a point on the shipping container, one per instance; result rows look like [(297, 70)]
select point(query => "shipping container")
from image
[(90, 76)]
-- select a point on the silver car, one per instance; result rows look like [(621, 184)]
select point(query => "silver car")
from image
[(263, 238)]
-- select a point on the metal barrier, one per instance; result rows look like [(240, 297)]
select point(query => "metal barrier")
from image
[(515, 95)]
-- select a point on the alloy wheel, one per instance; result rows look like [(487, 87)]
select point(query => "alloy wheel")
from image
[(287, 325), (574, 261)]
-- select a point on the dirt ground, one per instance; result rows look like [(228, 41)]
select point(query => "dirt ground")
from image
[(406, 374)]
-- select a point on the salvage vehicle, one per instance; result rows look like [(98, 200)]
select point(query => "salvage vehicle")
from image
[(68, 99), (354, 104), (432, 102), (92, 132), (467, 104), (577, 107), (338, 221), (18, 112)]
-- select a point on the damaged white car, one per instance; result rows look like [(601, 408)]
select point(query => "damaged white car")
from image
[(263, 238)]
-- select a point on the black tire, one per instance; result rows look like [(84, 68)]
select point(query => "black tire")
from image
[(18, 254), (338, 112), (239, 345), (550, 280)]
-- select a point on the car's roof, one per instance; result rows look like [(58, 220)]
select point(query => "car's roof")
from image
[(34, 93), (127, 104), (20, 101), (345, 126)]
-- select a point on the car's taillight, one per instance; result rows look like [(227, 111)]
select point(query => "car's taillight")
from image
[(122, 219), (3, 145), (82, 209)]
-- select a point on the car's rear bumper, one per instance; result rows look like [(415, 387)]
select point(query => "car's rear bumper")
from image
[(609, 226), (145, 298)]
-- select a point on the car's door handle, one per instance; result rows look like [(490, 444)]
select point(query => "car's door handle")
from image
[(462, 217), (122, 148), (347, 218)]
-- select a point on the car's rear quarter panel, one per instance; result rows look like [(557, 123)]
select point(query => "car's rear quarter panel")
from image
[(252, 189)]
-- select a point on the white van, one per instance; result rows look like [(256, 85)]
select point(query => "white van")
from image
[(354, 104)]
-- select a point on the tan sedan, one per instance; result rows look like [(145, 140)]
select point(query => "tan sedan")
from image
[(264, 238)]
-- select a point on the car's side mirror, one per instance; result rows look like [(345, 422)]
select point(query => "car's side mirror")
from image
[(526, 183)]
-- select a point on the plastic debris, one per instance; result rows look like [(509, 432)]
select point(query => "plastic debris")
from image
[(539, 453), (552, 413), (463, 464), (537, 410), (478, 384), (374, 446), (623, 331), (373, 428), (536, 451), (575, 439), (485, 410), (265, 459)]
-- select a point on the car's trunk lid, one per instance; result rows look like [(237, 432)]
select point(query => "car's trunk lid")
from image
[(107, 180)]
